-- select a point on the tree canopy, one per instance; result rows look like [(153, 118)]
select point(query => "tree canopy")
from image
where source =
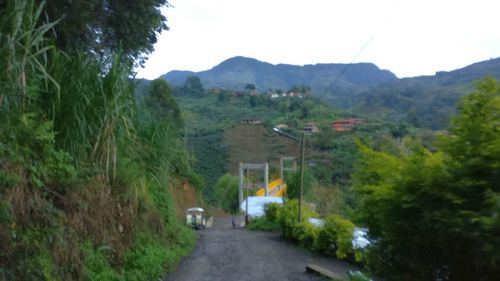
[(162, 104), (226, 193), (436, 215), (104, 27), (192, 87)]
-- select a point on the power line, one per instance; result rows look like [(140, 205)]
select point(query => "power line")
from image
[(358, 53), (349, 64)]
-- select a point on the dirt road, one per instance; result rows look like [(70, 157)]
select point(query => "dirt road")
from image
[(223, 253)]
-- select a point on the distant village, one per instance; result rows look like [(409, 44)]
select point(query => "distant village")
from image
[(340, 125), (295, 91)]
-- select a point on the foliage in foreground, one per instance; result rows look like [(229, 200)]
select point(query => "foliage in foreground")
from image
[(268, 222), (435, 215), (263, 224), (333, 238), (85, 172)]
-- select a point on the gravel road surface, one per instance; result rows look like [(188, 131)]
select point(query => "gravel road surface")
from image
[(223, 253)]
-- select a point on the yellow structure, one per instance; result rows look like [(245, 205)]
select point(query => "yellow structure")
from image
[(277, 188)]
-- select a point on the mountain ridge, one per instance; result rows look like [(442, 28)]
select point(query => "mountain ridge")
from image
[(362, 88), (234, 73)]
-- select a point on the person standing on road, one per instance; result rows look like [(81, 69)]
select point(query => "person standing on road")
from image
[(234, 224)]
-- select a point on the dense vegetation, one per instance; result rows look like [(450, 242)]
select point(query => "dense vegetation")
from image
[(219, 141), (226, 193), (430, 215), (435, 215), (85, 170), (333, 238), (426, 101)]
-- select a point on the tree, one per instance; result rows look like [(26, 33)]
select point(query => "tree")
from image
[(398, 130), (250, 87), (193, 87), (308, 105), (295, 104), (412, 118), (227, 192), (162, 104), (472, 155), (222, 97), (301, 89), (103, 27), (253, 101), (436, 215), (293, 183)]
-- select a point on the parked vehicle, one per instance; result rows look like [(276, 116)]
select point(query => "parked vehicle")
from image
[(194, 218)]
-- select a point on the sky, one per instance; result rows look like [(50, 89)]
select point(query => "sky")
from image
[(407, 37)]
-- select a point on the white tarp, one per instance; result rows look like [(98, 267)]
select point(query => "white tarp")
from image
[(360, 238), (256, 204)]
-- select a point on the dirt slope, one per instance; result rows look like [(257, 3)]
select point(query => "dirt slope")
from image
[(184, 195)]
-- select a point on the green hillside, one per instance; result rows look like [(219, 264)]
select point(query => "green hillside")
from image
[(218, 139), (235, 73), (425, 101), (258, 144)]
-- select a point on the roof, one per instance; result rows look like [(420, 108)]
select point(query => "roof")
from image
[(196, 209)]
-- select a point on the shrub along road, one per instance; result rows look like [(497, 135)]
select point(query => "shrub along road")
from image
[(224, 253)]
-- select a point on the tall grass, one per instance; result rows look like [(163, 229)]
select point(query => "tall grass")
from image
[(93, 108), (23, 56), (88, 104), (68, 120)]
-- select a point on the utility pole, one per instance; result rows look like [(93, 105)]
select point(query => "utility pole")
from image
[(302, 160), (246, 200)]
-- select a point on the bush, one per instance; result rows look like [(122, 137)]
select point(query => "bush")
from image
[(96, 266), (335, 237), (271, 210), (306, 234), (263, 224), (268, 222), (288, 220), (293, 182), (147, 259)]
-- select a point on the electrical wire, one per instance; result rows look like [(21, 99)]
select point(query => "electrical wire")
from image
[(344, 70)]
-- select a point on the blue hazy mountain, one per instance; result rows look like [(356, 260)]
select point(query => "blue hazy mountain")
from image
[(236, 72)]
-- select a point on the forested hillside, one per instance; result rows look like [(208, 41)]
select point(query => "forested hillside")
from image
[(426, 101), (363, 88), (219, 136), (87, 173)]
